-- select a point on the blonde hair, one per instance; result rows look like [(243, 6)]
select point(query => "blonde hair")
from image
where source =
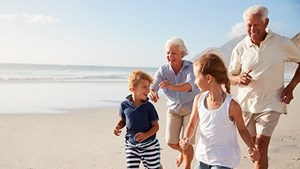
[(177, 42), (135, 77), (256, 10), (212, 64)]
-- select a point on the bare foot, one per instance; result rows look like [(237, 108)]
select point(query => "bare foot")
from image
[(179, 160)]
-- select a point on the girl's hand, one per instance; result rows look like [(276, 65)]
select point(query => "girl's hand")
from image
[(184, 143), (253, 154)]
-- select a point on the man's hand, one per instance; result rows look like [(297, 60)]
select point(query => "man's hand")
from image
[(245, 78)]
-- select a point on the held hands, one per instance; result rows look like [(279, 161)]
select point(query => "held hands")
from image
[(184, 143), (245, 78), (253, 153)]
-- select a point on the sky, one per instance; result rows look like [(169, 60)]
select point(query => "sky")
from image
[(126, 32)]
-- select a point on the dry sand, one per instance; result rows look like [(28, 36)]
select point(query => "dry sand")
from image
[(83, 139)]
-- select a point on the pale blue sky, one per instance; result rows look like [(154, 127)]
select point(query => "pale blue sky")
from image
[(125, 32)]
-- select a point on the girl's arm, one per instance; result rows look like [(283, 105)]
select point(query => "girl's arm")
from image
[(141, 136), (235, 113), (192, 125)]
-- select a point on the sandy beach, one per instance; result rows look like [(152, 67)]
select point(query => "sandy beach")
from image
[(83, 139)]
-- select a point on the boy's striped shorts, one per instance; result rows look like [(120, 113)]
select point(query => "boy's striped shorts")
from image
[(148, 153)]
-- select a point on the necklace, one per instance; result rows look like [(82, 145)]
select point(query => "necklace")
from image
[(207, 95)]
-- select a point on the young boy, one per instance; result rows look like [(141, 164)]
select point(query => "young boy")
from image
[(141, 121)]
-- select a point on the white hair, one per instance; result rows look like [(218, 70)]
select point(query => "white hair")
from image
[(256, 10), (177, 42)]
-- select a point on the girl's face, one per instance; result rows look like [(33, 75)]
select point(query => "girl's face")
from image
[(201, 80), (174, 55), (141, 90)]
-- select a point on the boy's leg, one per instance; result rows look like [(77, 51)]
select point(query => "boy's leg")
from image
[(133, 158), (151, 155)]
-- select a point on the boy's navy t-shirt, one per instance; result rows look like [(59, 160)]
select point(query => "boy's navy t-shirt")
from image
[(138, 119)]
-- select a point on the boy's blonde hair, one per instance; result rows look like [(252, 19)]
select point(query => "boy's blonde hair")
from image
[(137, 75)]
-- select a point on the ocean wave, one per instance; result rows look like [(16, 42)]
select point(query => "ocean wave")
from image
[(65, 73)]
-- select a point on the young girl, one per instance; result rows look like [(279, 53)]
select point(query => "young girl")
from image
[(217, 116), (141, 121)]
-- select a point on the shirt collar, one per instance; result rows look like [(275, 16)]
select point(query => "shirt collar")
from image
[(250, 43), (129, 98), (186, 63)]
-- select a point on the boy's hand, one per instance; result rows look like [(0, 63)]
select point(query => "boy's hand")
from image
[(117, 131), (140, 137)]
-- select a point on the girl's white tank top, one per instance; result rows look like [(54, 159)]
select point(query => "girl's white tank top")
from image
[(217, 143)]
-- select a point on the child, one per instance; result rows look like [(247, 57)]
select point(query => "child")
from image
[(218, 116), (141, 121)]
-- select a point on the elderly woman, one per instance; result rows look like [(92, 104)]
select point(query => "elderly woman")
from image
[(176, 79)]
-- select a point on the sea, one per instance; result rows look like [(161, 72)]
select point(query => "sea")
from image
[(40, 88)]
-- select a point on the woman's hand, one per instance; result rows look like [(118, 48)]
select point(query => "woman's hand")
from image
[(153, 95)]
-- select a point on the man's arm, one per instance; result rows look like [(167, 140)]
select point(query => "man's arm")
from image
[(287, 93)]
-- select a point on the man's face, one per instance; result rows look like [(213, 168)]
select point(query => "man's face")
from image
[(256, 28)]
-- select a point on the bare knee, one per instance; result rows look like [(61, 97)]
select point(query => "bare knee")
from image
[(174, 146)]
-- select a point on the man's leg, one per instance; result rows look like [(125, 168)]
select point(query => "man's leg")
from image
[(265, 125), (262, 142)]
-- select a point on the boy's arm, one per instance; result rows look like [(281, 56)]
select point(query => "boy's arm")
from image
[(141, 136), (119, 126)]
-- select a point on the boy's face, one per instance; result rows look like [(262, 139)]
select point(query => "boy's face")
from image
[(142, 89)]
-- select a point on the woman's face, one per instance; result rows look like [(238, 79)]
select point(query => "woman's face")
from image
[(174, 55)]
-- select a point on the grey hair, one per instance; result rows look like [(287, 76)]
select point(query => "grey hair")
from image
[(256, 10), (177, 42)]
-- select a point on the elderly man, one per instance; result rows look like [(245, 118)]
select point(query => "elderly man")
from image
[(257, 67)]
